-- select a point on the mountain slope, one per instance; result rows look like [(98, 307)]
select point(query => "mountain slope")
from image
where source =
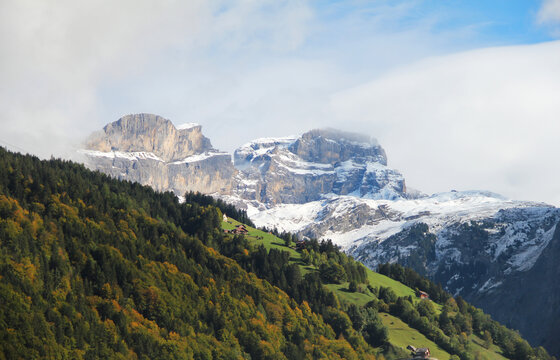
[(478, 245), (97, 268), (535, 293), (92, 267), (454, 326), (329, 184)]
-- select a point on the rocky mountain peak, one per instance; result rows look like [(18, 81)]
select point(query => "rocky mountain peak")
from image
[(150, 133), (318, 163), (149, 149), (330, 146), (341, 136)]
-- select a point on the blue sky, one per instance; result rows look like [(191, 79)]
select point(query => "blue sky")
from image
[(496, 22), (465, 90)]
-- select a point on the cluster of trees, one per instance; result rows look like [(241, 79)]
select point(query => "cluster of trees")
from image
[(414, 280), (334, 265), (91, 268), (354, 323), (228, 209), (366, 320), (288, 237), (276, 267)]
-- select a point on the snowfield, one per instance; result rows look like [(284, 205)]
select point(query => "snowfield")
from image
[(132, 156), (436, 211), (186, 126), (522, 239), (200, 157)]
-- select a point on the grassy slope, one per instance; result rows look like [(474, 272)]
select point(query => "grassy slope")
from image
[(494, 352), (400, 334)]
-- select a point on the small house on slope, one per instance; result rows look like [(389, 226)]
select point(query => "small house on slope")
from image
[(420, 353), (423, 295), (240, 230)]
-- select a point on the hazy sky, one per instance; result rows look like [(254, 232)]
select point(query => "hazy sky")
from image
[(461, 94)]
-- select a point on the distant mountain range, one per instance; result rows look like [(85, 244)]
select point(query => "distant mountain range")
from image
[(497, 253)]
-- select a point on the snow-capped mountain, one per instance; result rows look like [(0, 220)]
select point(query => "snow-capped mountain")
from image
[(473, 242), (306, 168), (330, 184), (501, 236)]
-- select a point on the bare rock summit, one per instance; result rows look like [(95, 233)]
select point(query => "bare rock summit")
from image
[(150, 150), (150, 133)]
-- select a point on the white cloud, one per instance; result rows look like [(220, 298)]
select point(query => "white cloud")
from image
[(246, 69), (56, 53), (59, 58), (549, 15), (484, 119), (549, 12)]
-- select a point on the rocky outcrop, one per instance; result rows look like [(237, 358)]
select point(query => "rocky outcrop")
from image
[(330, 146), (152, 134), (320, 162), (150, 150)]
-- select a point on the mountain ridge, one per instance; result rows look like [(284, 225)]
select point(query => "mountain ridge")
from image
[(327, 184)]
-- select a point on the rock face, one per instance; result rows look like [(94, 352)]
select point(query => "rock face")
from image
[(152, 134), (329, 146), (533, 299), (150, 150), (320, 162)]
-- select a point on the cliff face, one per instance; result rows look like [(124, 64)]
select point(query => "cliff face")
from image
[(530, 301), (329, 146), (150, 150), (152, 134), (319, 163)]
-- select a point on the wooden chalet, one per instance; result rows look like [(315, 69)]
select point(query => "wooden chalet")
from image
[(423, 295), (240, 230), (419, 353)]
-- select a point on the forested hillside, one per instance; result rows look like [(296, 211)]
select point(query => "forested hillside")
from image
[(96, 268), (92, 267)]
